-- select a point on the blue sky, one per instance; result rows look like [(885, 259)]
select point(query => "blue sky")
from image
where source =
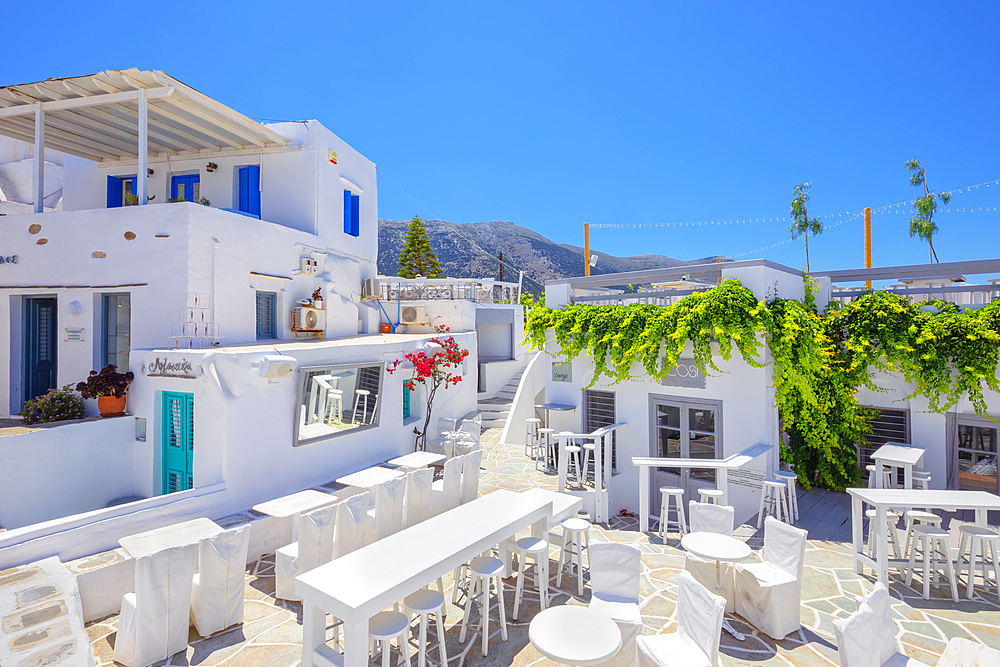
[(551, 114)]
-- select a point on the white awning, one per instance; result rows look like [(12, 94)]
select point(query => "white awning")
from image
[(98, 117)]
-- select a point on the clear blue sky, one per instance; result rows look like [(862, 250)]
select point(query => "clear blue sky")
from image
[(552, 114)]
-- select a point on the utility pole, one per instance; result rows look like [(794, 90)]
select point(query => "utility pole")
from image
[(868, 243), (500, 257), (586, 248)]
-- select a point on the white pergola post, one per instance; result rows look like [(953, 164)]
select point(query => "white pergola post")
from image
[(39, 175), (141, 177), (644, 473)]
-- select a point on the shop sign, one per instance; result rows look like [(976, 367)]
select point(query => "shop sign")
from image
[(562, 372), (164, 368), (74, 333), (685, 374), (333, 157), (8, 259)]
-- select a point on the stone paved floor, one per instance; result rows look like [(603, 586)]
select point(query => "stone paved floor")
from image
[(272, 632)]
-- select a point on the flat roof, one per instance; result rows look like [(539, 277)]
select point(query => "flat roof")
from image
[(97, 117)]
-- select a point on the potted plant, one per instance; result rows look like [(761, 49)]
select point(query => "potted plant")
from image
[(317, 298), (109, 387)]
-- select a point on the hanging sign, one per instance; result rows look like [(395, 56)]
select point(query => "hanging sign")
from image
[(685, 374), (562, 372), (333, 157), (163, 368)]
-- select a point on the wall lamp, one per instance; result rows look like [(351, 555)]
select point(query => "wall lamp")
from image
[(211, 166)]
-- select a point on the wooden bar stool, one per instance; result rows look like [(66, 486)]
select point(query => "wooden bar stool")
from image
[(575, 538), (545, 445), (589, 448), (537, 549), (987, 541), (673, 494), (891, 519), (484, 572), (386, 626), (934, 547), (773, 500), (531, 436), (886, 476), (710, 495), (423, 603), (358, 395), (914, 517), (791, 482)]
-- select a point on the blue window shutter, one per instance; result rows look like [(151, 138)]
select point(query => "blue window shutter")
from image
[(347, 212), (244, 189), (114, 192), (178, 441), (406, 402), (355, 215), (253, 196), (266, 319)]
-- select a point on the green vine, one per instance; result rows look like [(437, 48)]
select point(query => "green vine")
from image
[(820, 361)]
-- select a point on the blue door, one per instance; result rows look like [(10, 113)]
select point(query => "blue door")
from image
[(186, 187), (177, 442), (39, 346)]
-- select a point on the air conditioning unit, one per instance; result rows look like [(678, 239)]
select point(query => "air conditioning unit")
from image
[(308, 319), (413, 315), (371, 287), (308, 266)]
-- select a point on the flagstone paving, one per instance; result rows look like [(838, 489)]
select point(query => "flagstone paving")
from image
[(272, 632)]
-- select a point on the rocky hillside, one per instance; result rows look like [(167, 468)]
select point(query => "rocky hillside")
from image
[(469, 250)]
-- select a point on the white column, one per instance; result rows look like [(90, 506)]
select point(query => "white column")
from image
[(39, 175), (644, 472), (598, 478), (722, 475), (140, 177)]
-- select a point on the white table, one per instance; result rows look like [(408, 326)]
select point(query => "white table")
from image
[(558, 407), (369, 477), (564, 506), (180, 534), (417, 460), (360, 584), (895, 455), (883, 499), (962, 652), (575, 635), (295, 505), (720, 548)]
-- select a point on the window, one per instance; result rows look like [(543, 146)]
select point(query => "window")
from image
[(887, 426), (352, 214), (178, 442), (599, 411), (686, 430), (120, 188), (267, 305), (249, 190), (336, 400), (977, 455), (115, 336), (406, 401)]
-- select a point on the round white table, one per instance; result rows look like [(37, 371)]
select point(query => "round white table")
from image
[(721, 549), (575, 635)]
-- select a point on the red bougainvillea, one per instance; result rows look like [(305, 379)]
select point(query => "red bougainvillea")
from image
[(432, 367)]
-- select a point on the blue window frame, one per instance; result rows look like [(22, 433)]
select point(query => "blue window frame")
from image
[(177, 442), (267, 304), (352, 214), (406, 402), (186, 187), (117, 187), (249, 184)]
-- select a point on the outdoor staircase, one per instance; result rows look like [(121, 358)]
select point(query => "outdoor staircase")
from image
[(496, 408)]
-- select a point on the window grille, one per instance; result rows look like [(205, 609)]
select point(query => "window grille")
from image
[(599, 411), (266, 315)]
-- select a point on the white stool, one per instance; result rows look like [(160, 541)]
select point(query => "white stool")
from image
[(710, 495), (484, 571), (334, 406), (791, 482), (538, 549), (358, 394), (531, 436), (423, 603), (988, 541), (914, 517), (589, 448), (772, 499), (668, 494), (386, 626), (886, 476), (545, 445), (575, 538), (921, 480), (891, 519), (934, 547)]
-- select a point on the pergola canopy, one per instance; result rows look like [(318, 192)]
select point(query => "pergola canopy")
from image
[(99, 117)]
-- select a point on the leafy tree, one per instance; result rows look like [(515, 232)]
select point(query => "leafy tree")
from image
[(417, 257), (801, 224), (922, 224)]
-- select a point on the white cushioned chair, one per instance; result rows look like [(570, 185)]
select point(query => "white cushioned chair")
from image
[(711, 518), (699, 629), (313, 548), (867, 638), (471, 463), (388, 510), (352, 524), (419, 504), (615, 569), (217, 589), (447, 491)]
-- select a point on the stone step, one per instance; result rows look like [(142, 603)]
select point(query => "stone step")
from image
[(41, 617)]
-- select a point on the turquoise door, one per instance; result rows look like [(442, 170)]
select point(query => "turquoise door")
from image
[(186, 187), (178, 442)]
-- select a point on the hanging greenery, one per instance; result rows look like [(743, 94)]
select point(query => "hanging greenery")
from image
[(820, 361)]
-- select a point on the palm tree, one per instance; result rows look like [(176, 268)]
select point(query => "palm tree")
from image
[(922, 225), (801, 224)]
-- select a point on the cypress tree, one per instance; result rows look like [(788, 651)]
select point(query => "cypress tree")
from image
[(417, 257)]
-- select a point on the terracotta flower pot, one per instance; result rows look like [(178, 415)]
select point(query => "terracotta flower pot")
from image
[(386, 328), (111, 406)]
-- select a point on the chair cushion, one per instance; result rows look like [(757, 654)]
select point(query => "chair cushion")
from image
[(670, 650), (620, 610)]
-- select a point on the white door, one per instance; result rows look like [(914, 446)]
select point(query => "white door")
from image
[(687, 430)]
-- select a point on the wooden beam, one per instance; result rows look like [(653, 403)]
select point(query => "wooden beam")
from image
[(96, 100), (28, 136), (58, 138), (143, 149)]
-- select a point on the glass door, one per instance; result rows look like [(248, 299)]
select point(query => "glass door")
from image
[(686, 430), (977, 457)]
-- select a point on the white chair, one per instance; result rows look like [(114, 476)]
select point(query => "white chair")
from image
[(675, 495), (313, 548), (447, 492), (914, 517), (712, 518), (933, 543), (389, 501), (886, 476), (987, 541), (773, 500), (155, 618), (791, 486), (615, 569), (418, 496), (768, 594), (575, 539), (470, 475), (892, 518), (867, 638), (352, 524), (700, 614), (708, 494), (217, 589), (485, 572)]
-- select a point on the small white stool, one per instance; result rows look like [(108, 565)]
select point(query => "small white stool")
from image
[(921, 480), (589, 448), (575, 538), (531, 436), (773, 500), (358, 394), (934, 547), (572, 454), (987, 542), (545, 445), (914, 517), (710, 495), (386, 626), (485, 571), (334, 406), (791, 482), (676, 495), (886, 476), (423, 603), (537, 549), (891, 519)]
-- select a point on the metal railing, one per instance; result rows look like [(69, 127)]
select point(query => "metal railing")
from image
[(448, 289)]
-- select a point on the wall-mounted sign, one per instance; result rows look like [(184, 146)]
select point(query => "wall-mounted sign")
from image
[(562, 372), (162, 368), (333, 157), (685, 374), (74, 333), (8, 259)]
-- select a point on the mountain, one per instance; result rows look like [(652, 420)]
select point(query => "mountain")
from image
[(469, 250)]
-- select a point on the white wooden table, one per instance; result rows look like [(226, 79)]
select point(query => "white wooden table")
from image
[(357, 586), (177, 535), (564, 506), (295, 505), (720, 548), (558, 407), (369, 477), (883, 499), (575, 635), (895, 455), (962, 652), (417, 460)]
